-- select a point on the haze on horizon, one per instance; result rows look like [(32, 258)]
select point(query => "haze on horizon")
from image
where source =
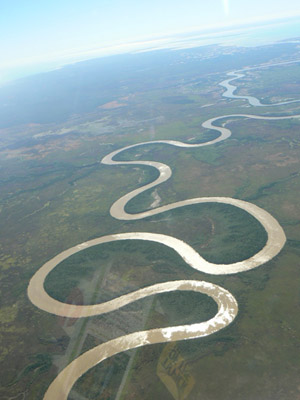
[(37, 37)]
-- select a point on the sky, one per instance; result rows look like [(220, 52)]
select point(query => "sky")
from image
[(40, 34)]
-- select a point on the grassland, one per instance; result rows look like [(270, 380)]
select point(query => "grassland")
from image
[(265, 88)]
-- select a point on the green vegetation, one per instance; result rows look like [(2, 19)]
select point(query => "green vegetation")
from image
[(207, 155), (40, 363), (177, 100), (103, 381), (220, 233), (264, 84), (187, 307)]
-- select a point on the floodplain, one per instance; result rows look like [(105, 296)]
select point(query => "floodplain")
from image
[(56, 194)]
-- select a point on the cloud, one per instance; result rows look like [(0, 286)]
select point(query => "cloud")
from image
[(226, 7), (179, 39)]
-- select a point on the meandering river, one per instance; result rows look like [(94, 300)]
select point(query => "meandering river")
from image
[(227, 305), (234, 75)]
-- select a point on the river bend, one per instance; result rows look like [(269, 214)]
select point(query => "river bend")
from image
[(227, 305)]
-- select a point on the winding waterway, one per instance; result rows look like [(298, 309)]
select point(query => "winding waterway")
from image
[(227, 305), (234, 75)]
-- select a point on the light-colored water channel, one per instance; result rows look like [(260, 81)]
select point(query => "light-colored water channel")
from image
[(227, 305), (235, 75)]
